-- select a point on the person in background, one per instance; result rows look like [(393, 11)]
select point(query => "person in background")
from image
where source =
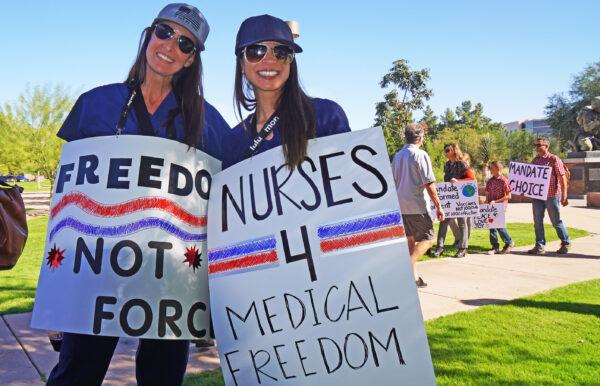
[(557, 195), (497, 190), (415, 187), (454, 170), (267, 85), (470, 175)]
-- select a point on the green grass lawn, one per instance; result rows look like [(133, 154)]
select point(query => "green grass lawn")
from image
[(547, 339), (521, 234), (17, 286), (33, 186), (551, 338)]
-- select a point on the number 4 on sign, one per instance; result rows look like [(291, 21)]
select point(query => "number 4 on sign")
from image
[(306, 255)]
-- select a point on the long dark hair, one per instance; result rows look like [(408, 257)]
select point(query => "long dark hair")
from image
[(187, 87), (295, 110)]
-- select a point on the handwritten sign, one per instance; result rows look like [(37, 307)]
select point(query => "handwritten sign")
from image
[(126, 243), (529, 180), (458, 199), (309, 271), (491, 216)]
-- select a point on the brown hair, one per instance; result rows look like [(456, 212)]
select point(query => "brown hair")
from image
[(497, 164), (457, 151)]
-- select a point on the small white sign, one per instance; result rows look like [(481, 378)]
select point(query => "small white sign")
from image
[(310, 275), (529, 180), (491, 216), (458, 199), (126, 242)]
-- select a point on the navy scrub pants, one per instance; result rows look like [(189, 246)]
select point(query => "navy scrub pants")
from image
[(84, 360)]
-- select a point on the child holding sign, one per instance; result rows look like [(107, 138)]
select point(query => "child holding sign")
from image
[(498, 190)]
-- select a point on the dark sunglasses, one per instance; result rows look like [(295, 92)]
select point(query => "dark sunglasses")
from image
[(165, 32), (257, 52), (539, 144)]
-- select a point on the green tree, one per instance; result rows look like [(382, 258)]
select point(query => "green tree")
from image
[(38, 115), (13, 147), (408, 94), (430, 120), (520, 145), (562, 109)]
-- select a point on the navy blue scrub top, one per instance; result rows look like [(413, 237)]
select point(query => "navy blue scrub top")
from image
[(331, 119), (96, 113)]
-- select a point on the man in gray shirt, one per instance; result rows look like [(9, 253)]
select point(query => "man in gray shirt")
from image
[(413, 175)]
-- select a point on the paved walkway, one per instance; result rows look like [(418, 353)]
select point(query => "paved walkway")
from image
[(454, 285)]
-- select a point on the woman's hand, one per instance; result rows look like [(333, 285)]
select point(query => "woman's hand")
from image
[(453, 180)]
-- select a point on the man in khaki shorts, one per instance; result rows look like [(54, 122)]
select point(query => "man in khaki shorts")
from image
[(413, 175)]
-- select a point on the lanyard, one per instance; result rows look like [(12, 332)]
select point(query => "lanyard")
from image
[(263, 133), (136, 99)]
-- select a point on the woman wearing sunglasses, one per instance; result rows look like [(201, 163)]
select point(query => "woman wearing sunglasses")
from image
[(162, 97), (267, 85), (455, 169)]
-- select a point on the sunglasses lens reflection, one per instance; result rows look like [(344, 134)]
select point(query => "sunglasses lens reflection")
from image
[(164, 32), (255, 53)]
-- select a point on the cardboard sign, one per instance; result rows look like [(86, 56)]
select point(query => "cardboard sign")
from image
[(126, 243), (491, 216), (309, 271), (458, 199), (529, 180)]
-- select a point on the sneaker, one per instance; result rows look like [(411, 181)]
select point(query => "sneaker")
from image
[(536, 251), (494, 251), (507, 249), (564, 249), (437, 252), (460, 253), (420, 283)]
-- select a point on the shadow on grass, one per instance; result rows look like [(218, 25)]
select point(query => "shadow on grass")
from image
[(482, 301), (567, 256), (578, 308)]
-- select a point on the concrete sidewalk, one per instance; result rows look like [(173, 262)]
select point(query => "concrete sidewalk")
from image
[(454, 285)]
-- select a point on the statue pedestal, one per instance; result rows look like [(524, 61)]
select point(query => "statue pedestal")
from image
[(585, 174)]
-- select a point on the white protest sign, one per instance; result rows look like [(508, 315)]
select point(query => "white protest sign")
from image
[(491, 216), (126, 242), (458, 199), (529, 180), (310, 277)]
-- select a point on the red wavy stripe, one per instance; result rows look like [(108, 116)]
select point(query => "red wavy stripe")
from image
[(244, 262), (115, 210), (362, 238)]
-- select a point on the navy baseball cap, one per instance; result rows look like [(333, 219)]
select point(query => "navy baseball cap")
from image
[(189, 17), (264, 28)]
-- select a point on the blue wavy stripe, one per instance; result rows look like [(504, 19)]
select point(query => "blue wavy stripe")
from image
[(125, 229), (243, 248), (359, 225)]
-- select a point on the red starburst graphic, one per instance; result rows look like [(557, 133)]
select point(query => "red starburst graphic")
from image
[(55, 257), (192, 257)]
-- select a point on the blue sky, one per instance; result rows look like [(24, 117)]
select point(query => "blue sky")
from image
[(509, 55)]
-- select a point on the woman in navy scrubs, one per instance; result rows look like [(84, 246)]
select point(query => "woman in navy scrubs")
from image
[(162, 97), (266, 84)]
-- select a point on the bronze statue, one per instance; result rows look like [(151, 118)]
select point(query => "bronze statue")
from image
[(589, 120)]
